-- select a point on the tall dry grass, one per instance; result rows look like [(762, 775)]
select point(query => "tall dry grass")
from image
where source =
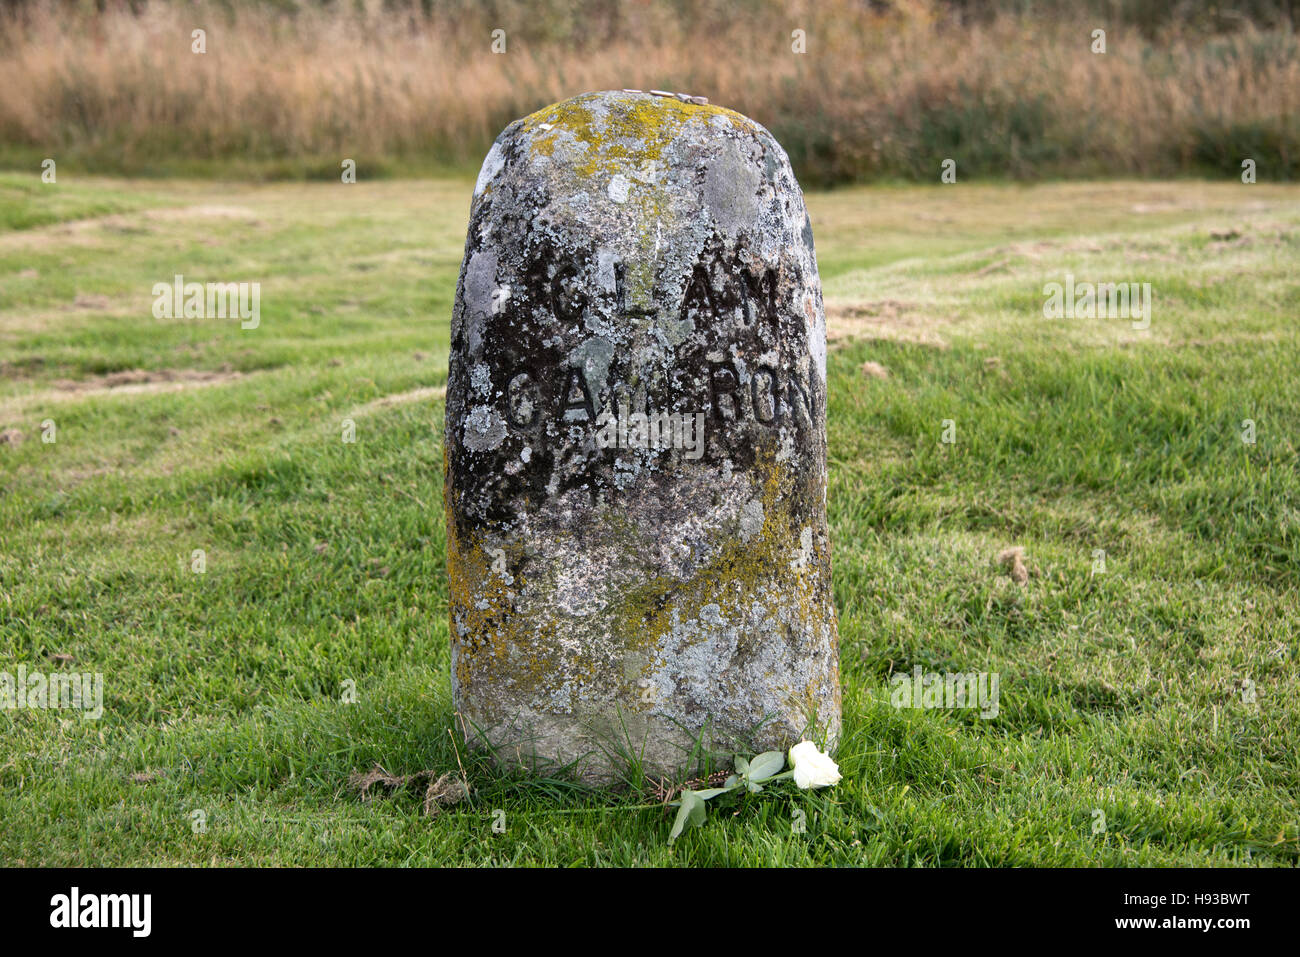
[(881, 91)]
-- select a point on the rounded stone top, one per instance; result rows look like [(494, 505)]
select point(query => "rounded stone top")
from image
[(638, 167), (603, 133)]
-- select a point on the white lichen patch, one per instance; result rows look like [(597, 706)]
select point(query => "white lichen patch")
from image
[(485, 430), (492, 165), (619, 187)]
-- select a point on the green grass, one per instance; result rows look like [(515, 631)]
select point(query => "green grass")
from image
[(1120, 691)]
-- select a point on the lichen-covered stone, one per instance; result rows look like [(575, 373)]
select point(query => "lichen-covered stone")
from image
[(636, 444)]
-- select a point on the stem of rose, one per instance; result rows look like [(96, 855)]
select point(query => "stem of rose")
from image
[(740, 784), (646, 807)]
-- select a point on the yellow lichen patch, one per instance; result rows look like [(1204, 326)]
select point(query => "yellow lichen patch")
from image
[(737, 576), (628, 133), (481, 597), (510, 653)]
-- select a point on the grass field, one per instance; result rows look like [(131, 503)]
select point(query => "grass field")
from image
[(1160, 691)]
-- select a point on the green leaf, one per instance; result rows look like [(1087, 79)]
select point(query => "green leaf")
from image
[(698, 810), (692, 809), (741, 765), (766, 764), (683, 813), (731, 782)]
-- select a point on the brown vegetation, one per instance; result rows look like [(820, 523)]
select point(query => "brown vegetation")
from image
[(885, 89)]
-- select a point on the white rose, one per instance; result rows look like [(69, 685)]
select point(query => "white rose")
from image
[(812, 769)]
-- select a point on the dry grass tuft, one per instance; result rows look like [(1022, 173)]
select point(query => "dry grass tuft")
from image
[(1012, 562), (441, 790)]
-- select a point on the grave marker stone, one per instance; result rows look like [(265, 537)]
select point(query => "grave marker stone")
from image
[(637, 544)]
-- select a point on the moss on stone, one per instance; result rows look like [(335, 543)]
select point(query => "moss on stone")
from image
[(637, 132), (645, 614)]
